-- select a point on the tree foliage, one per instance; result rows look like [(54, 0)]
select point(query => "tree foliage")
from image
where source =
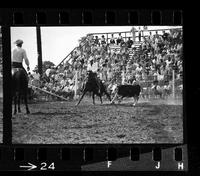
[(45, 66)]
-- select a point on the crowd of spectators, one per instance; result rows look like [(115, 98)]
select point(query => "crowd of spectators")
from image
[(54, 80), (155, 59)]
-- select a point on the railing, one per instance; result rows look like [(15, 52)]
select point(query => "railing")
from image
[(84, 42), (66, 57), (128, 34)]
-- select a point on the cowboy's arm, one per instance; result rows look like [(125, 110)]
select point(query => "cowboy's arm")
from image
[(26, 60)]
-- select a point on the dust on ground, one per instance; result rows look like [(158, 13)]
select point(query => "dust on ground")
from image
[(64, 123)]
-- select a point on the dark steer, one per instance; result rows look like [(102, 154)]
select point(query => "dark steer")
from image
[(127, 91)]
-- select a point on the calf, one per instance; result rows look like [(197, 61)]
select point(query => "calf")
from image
[(128, 91)]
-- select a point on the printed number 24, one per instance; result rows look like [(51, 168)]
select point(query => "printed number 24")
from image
[(44, 166)]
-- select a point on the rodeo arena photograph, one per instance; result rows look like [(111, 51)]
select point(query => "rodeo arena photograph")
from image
[(1, 89), (96, 85)]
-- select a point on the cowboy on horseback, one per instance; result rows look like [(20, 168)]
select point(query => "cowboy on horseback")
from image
[(19, 76), (18, 55), (93, 66)]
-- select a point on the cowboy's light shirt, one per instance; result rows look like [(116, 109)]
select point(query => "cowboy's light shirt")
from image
[(93, 67), (18, 54)]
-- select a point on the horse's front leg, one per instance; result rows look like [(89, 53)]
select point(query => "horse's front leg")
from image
[(81, 98), (93, 98)]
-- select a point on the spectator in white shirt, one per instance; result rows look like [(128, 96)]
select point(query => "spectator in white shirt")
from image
[(94, 67), (133, 33), (103, 40), (168, 62), (112, 40), (48, 71), (139, 34), (139, 68), (119, 39)]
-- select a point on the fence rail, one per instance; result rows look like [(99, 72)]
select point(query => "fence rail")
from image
[(84, 42), (128, 34)]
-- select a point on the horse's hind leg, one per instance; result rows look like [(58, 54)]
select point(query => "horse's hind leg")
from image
[(15, 104), (81, 98), (26, 103), (18, 102)]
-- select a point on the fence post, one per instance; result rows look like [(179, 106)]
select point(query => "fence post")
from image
[(76, 84), (173, 83), (107, 37)]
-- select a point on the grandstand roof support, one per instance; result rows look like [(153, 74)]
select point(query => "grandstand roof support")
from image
[(39, 50)]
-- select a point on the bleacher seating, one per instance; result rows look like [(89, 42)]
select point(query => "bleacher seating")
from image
[(116, 72)]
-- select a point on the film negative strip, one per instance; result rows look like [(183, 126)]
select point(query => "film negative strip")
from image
[(71, 55)]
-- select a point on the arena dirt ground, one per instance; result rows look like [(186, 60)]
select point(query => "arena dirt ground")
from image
[(63, 123)]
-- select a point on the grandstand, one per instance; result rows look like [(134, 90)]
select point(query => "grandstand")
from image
[(147, 59)]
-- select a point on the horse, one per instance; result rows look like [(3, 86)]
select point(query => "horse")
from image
[(91, 85), (19, 88)]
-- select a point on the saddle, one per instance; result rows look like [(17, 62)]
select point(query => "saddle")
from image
[(14, 70)]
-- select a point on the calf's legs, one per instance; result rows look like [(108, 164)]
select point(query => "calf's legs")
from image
[(136, 98), (114, 98)]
